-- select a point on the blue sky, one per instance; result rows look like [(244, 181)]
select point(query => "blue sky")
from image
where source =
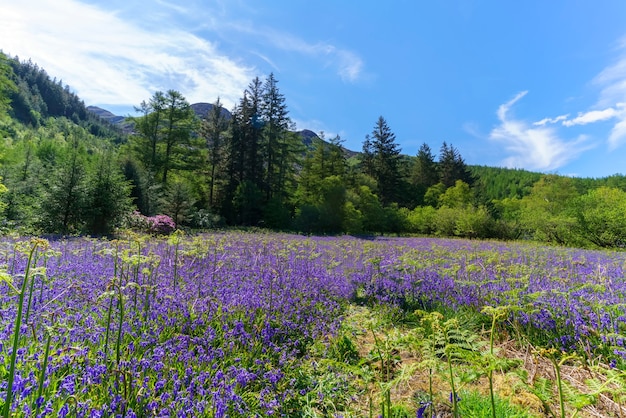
[(538, 85)]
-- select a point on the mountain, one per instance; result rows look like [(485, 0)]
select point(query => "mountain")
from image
[(105, 114), (309, 138), (202, 109)]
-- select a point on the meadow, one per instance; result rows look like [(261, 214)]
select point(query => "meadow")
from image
[(235, 324)]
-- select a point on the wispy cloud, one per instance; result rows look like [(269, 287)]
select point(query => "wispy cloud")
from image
[(610, 105), (346, 63), (546, 121), (593, 116), (532, 146), (110, 60), (612, 81)]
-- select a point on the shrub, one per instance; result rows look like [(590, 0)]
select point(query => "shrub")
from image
[(158, 224), (161, 225)]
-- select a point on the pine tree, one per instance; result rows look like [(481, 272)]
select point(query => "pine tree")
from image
[(452, 167), (213, 129), (64, 204), (382, 160), (327, 159), (278, 141), (424, 171), (424, 174), (108, 196)]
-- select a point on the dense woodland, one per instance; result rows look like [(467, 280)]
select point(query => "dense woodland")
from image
[(66, 171)]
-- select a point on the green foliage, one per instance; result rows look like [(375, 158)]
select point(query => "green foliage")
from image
[(445, 221), (503, 183), (7, 85), (276, 215), (213, 129), (373, 215), (253, 169), (108, 197), (353, 222), (163, 140), (178, 201), (474, 405), (433, 193), (474, 223), (247, 203), (546, 212), (382, 161), (65, 200), (421, 220), (457, 196), (452, 167), (424, 171), (600, 217)]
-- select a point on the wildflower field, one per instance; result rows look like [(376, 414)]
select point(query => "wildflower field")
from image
[(254, 325)]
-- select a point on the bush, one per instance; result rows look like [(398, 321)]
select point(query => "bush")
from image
[(158, 224), (421, 220), (205, 219), (161, 225)]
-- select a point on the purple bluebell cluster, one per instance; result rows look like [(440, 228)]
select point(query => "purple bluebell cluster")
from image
[(218, 324), (566, 298)]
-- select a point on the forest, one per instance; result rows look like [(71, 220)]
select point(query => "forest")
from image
[(67, 171)]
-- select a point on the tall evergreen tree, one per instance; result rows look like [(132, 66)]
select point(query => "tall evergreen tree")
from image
[(213, 129), (244, 159), (278, 144), (252, 125), (326, 159), (108, 196), (384, 160), (64, 204), (452, 167), (424, 172)]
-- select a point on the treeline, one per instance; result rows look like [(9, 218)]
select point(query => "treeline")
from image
[(66, 171)]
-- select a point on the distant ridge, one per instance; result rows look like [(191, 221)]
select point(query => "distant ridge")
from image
[(309, 138), (202, 109), (106, 115)]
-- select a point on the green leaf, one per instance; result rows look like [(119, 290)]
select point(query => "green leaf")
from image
[(6, 277)]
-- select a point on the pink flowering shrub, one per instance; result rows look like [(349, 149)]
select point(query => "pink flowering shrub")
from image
[(161, 224), (158, 224)]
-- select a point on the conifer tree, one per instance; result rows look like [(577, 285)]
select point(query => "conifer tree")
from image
[(213, 129), (382, 160), (424, 173), (278, 144), (452, 167), (64, 204)]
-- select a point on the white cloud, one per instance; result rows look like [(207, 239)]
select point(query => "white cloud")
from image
[(546, 121), (592, 117), (535, 148), (348, 64), (108, 60), (612, 81)]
